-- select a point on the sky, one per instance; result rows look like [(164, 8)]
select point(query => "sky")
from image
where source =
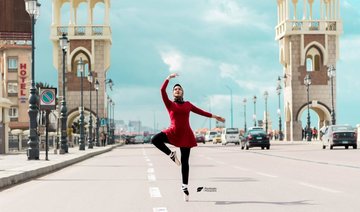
[(218, 47)]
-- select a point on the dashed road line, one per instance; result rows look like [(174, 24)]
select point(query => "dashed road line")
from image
[(162, 209), (266, 175), (151, 177), (150, 170), (154, 192), (319, 187)]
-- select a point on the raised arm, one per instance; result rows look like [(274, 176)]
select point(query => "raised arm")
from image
[(164, 95)]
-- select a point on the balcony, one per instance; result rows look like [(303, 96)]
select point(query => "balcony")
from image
[(293, 27), (83, 32)]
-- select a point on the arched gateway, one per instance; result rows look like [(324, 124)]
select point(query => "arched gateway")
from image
[(308, 45), (89, 42)]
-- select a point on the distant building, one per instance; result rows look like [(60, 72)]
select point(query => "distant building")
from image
[(15, 59)]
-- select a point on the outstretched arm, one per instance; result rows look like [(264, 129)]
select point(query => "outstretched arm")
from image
[(219, 118), (164, 95)]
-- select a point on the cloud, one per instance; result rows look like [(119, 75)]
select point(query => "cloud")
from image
[(229, 12), (173, 59)]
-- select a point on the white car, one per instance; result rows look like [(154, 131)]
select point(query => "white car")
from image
[(209, 136), (230, 135)]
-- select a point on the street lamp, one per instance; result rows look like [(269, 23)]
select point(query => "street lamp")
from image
[(244, 102), (266, 95), (97, 113), (331, 74), (90, 142), (80, 67), (307, 82), (113, 123), (254, 116), (63, 109), (231, 106), (33, 152), (110, 82), (278, 91), (108, 119)]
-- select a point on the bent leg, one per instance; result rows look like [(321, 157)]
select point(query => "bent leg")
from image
[(159, 141)]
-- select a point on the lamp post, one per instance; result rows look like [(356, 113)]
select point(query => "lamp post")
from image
[(278, 91), (231, 106), (63, 109), (33, 152), (331, 74), (80, 67), (307, 82), (266, 95), (90, 141), (97, 143), (244, 102), (113, 123), (108, 119), (254, 116)]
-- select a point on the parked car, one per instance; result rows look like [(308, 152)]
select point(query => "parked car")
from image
[(230, 135), (339, 135), (217, 138), (210, 135), (200, 138), (255, 137), (147, 138)]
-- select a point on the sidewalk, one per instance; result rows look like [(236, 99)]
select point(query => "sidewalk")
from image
[(16, 168)]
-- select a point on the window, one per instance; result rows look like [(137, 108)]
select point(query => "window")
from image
[(13, 112), (12, 63), (12, 88), (313, 59)]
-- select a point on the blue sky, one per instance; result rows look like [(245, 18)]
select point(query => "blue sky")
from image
[(215, 46)]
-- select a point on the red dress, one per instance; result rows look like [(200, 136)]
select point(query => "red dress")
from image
[(180, 133)]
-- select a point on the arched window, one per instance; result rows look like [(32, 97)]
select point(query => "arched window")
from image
[(313, 59)]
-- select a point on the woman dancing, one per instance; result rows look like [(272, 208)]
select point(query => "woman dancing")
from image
[(179, 133)]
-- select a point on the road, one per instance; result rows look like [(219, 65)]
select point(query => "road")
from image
[(288, 177)]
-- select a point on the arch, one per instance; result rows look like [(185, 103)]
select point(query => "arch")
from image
[(78, 52), (81, 11), (321, 50), (65, 13), (74, 114), (322, 110), (98, 9)]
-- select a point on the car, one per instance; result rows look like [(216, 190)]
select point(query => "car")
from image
[(200, 138), (339, 135), (217, 138), (230, 135), (209, 135), (255, 137), (147, 138), (139, 139), (129, 139)]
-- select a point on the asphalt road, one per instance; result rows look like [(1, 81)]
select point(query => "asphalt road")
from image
[(288, 177)]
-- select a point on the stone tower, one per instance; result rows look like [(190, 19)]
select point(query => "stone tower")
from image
[(89, 42), (308, 33)]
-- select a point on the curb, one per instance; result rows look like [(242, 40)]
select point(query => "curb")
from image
[(27, 175)]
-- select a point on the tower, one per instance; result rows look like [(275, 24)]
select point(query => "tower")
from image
[(308, 34), (91, 42)]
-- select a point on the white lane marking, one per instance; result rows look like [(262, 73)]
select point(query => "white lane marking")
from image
[(154, 192), (151, 177), (162, 209), (319, 187), (150, 164), (240, 168), (220, 162), (150, 170), (148, 160), (266, 175)]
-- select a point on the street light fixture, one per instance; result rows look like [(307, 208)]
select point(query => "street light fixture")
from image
[(63, 109), (254, 116), (331, 75), (97, 143), (113, 123), (307, 82), (109, 101), (80, 67), (244, 102), (278, 91), (33, 152), (231, 106), (90, 141), (266, 95)]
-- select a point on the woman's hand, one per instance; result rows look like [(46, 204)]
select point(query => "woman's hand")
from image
[(219, 118), (173, 75)]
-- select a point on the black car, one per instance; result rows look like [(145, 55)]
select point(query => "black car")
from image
[(339, 135), (255, 138)]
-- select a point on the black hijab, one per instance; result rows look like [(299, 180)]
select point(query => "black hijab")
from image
[(179, 99)]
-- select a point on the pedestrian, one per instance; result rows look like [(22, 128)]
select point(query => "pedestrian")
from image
[(179, 133)]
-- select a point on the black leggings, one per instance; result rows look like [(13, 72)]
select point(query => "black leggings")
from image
[(159, 141)]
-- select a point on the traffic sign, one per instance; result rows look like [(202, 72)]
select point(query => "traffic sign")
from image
[(48, 98)]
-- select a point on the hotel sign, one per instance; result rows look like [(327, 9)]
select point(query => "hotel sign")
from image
[(23, 76)]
